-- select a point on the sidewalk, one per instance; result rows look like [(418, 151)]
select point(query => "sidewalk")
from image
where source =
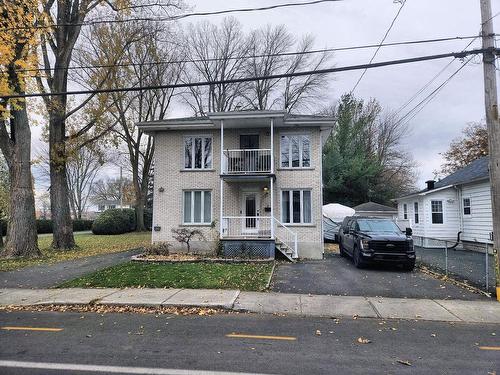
[(266, 303)]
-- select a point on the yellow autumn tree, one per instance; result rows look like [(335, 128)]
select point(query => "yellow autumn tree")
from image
[(18, 42)]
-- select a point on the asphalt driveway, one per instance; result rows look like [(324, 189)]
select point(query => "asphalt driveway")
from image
[(338, 276)]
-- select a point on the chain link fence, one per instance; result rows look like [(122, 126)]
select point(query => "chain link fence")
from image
[(471, 263)]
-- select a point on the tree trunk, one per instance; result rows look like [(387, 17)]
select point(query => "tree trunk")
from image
[(22, 239), (139, 214), (59, 192)]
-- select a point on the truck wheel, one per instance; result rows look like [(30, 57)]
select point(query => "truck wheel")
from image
[(358, 262), (341, 250)]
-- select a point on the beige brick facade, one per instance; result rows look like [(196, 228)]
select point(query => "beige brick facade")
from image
[(171, 180)]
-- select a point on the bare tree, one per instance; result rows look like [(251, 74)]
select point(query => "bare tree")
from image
[(219, 53), (82, 169), (266, 48), (112, 189), (150, 58)]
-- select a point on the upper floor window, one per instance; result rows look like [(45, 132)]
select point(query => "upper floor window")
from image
[(415, 207), (437, 212), (405, 211), (296, 206), (295, 151), (467, 206), (197, 152)]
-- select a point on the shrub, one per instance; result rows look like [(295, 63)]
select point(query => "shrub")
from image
[(148, 218), (81, 225), (130, 215), (3, 227), (44, 226), (113, 221), (184, 235), (161, 248)]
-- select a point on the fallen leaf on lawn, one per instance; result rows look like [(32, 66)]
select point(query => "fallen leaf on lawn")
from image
[(406, 363), (318, 332), (363, 340), (433, 335)]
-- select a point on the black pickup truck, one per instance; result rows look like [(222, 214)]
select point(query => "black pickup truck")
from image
[(369, 239)]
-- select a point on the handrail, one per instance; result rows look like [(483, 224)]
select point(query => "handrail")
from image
[(247, 149), (294, 248)]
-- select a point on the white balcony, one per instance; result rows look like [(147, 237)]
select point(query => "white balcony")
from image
[(247, 162)]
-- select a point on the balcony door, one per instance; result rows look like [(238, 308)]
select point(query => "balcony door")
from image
[(250, 156), (250, 209)]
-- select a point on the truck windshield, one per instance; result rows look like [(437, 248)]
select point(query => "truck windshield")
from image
[(378, 226)]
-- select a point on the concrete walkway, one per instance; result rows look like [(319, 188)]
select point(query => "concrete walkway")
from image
[(49, 275), (266, 303)]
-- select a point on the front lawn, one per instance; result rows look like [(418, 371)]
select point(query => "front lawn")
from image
[(243, 276), (88, 245)]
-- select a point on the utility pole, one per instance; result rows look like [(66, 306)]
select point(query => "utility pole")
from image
[(493, 124), (121, 188)]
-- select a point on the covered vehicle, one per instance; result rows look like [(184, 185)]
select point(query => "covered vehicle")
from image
[(333, 215)]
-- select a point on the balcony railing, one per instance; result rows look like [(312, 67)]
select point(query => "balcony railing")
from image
[(246, 227), (249, 161)]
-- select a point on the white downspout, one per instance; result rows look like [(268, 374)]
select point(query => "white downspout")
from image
[(222, 166), (272, 206)]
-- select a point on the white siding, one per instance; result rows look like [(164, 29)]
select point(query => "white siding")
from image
[(451, 210), (478, 225)]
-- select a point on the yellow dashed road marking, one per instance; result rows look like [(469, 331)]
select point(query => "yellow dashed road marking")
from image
[(261, 337), (46, 329)]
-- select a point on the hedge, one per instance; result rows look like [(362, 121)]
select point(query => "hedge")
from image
[(46, 226), (114, 221)]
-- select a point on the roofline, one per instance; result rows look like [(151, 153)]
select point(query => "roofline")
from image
[(213, 122)]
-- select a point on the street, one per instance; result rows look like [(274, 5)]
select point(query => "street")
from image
[(38, 340)]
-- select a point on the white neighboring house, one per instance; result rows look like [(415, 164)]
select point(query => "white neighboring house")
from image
[(251, 179), (98, 207), (460, 202)]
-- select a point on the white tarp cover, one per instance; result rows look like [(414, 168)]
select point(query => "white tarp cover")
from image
[(333, 215)]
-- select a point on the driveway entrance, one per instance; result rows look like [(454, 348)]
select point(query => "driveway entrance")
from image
[(338, 276)]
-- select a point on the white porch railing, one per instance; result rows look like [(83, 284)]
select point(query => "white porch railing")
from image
[(259, 227), (286, 236), (247, 161), (246, 227)]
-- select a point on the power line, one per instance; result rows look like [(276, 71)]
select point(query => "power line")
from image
[(423, 88), (174, 18), (258, 78), (336, 49), (403, 2), (410, 115)]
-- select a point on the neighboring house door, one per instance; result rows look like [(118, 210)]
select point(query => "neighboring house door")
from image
[(250, 143), (250, 204)]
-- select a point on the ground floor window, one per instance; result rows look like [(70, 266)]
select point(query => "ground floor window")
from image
[(197, 207), (405, 211), (415, 207), (437, 212), (296, 206)]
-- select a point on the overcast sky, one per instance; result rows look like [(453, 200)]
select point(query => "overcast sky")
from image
[(359, 22)]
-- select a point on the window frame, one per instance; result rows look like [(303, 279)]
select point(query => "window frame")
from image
[(202, 207), (290, 206), (469, 206), (416, 216), (193, 149), (301, 150), (405, 211), (440, 201)]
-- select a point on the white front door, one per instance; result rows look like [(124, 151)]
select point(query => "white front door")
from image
[(250, 209)]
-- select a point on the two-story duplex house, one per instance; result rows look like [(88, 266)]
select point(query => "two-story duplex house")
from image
[(251, 181)]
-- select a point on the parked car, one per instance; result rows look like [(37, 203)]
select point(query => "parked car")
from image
[(370, 239)]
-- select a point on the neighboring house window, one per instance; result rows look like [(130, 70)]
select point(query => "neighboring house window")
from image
[(466, 206), (295, 151), (197, 207), (405, 211), (415, 207), (101, 207), (111, 206), (296, 206), (437, 212), (197, 152)]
